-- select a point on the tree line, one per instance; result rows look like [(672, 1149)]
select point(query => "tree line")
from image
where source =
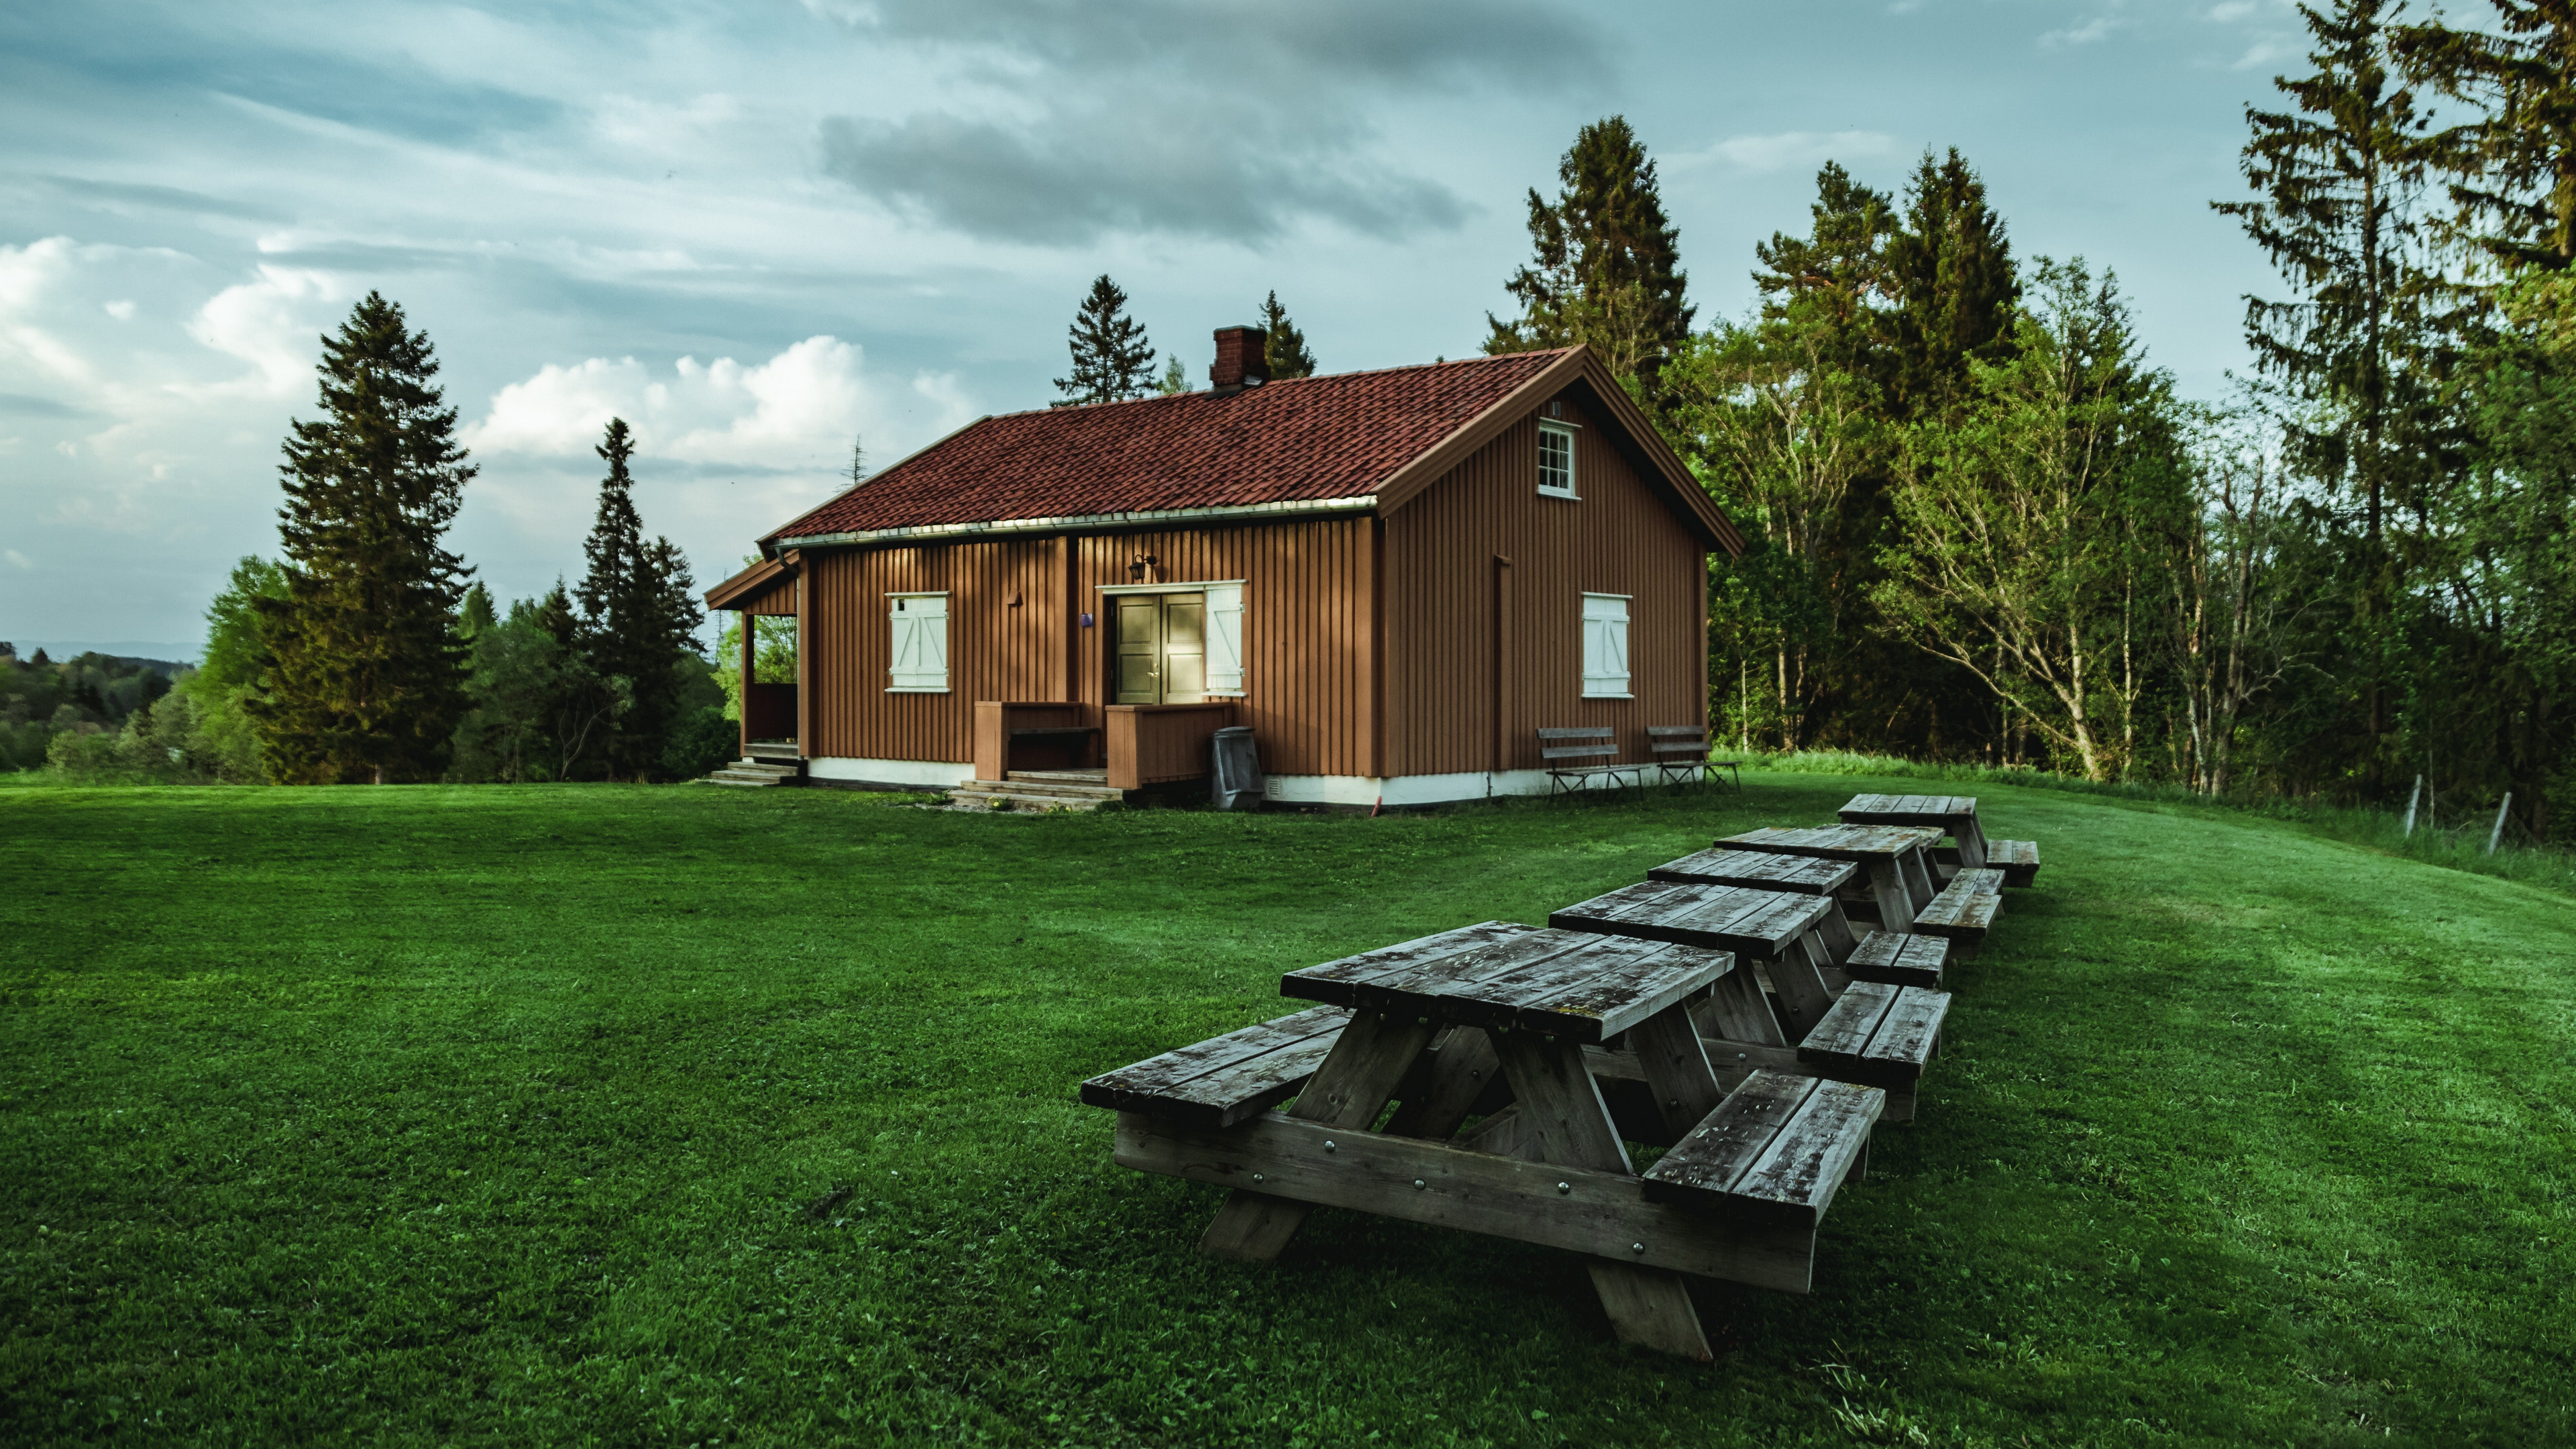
[(1987, 528), (366, 654)]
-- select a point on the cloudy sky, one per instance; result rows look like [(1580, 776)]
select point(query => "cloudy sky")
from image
[(756, 230)]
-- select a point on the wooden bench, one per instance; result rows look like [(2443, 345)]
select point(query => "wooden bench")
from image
[(1964, 910), (1600, 745), (2017, 859), (1879, 1036), (1691, 741)]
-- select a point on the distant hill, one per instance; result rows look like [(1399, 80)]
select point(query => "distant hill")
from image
[(131, 653)]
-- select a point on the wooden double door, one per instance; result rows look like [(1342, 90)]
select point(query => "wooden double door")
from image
[(1161, 644)]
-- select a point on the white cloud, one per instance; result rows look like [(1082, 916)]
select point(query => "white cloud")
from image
[(270, 324), (2091, 32), (795, 412), (1789, 148)]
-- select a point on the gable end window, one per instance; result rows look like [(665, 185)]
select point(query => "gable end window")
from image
[(1605, 646), (920, 653), (1556, 460)]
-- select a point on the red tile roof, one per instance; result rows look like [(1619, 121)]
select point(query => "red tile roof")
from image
[(1303, 439)]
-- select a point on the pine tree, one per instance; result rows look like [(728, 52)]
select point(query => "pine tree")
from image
[(1111, 361), (1608, 271), (1951, 273), (2336, 182), (2514, 170), (1286, 354), (366, 677), (639, 614)]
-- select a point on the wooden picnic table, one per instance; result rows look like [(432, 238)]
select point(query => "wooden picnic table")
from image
[(1956, 815), (1897, 858), (1435, 1021), (1784, 929)]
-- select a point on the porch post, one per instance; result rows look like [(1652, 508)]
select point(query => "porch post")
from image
[(750, 625), (804, 658)]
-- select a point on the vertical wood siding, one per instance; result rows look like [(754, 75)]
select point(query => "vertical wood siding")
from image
[(1307, 619), (1467, 685)]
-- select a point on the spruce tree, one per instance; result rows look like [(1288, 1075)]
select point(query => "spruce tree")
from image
[(1607, 263), (1111, 361), (2514, 170), (2336, 182), (1951, 273), (1286, 353), (639, 614), (366, 677), (1834, 280)]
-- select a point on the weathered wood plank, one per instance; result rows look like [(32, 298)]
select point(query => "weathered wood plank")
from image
[(1835, 842), (1802, 1168), (1756, 923), (1703, 1168), (1847, 1029), (1737, 1009), (1599, 1214), (1560, 1103), (1650, 1308), (1667, 1048), (2019, 860), (1461, 1071), (1758, 870), (1798, 977), (1222, 1081), (1959, 917), (1602, 988), (1978, 882), (1339, 982), (1908, 1037), (1898, 958)]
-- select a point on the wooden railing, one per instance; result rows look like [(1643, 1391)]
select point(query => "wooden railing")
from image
[(1013, 734), (1155, 744), (768, 712)]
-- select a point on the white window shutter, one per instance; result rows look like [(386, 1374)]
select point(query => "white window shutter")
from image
[(920, 642), (1605, 647), (1225, 639)]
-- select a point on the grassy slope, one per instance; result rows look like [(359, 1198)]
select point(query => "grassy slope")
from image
[(490, 1115)]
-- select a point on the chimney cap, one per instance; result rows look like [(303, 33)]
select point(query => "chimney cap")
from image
[(1242, 359)]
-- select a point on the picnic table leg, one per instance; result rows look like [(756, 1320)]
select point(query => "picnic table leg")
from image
[(1972, 842), (1677, 1069), (1460, 1073), (1738, 1011), (1564, 1110), (1918, 876), (1353, 1085), (1798, 977), (1887, 887), (1835, 928)]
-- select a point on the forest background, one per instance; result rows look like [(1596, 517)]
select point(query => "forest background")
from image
[(1987, 529)]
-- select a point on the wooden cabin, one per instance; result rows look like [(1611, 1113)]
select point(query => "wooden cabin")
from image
[(1395, 578)]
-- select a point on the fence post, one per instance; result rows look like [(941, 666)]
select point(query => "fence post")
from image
[(2497, 834), (2412, 796)]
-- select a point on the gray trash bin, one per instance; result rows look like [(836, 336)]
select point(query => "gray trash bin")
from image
[(1234, 776)]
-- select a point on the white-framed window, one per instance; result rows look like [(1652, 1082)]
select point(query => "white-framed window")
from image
[(1556, 459), (920, 627), (1605, 646)]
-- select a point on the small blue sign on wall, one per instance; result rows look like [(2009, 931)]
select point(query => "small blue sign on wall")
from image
[(1086, 621)]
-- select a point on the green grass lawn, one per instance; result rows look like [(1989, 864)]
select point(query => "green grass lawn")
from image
[(502, 1115)]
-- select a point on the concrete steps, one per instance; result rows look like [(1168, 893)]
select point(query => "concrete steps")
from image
[(1075, 790), (763, 768)]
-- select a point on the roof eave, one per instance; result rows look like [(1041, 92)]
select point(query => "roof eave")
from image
[(1085, 522)]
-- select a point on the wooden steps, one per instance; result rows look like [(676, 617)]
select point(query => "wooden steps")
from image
[(1038, 790), (755, 771)]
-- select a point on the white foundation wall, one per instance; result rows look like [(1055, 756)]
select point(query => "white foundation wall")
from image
[(1399, 790), (916, 774)]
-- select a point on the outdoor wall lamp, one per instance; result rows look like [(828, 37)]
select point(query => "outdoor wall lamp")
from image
[(1136, 570)]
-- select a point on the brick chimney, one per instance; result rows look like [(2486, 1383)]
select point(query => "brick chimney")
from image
[(1242, 359)]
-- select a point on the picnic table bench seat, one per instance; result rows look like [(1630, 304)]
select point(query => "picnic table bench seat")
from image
[(1773, 1153), (1228, 1079), (1964, 910), (2018, 859), (1899, 958)]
